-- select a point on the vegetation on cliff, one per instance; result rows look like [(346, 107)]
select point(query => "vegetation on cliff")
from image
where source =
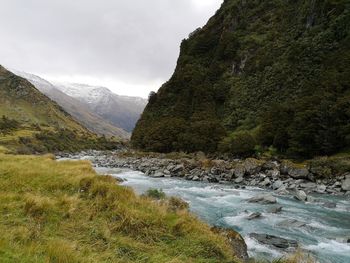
[(269, 73)]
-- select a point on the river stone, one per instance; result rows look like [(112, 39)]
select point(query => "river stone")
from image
[(277, 184), (346, 184), (238, 170), (274, 241), (196, 178), (330, 205), (252, 166), (263, 199), (254, 216), (235, 240), (275, 210), (291, 223), (265, 183), (239, 180), (321, 188), (157, 174), (300, 195)]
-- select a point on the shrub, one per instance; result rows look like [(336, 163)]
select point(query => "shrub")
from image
[(239, 144), (155, 194)]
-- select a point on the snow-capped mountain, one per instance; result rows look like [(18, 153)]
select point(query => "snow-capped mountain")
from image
[(123, 111), (74, 107)]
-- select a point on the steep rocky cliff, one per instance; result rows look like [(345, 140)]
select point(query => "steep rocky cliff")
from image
[(259, 73)]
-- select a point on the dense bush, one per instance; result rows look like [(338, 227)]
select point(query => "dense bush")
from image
[(238, 144), (8, 125)]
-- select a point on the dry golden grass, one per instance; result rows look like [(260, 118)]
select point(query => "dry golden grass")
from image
[(63, 212)]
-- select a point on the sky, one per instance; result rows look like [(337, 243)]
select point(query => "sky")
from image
[(129, 46)]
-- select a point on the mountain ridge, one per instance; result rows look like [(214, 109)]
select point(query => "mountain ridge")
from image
[(77, 109)]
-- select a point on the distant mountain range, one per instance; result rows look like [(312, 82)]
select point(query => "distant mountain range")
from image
[(97, 108)]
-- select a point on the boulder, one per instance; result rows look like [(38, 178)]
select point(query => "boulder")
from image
[(238, 170), (300, 195), (235, 240), (239, 180), (157, 174), (263, 199), (265, 183), (275, 209), (321, 188), (254, 216), (346, 184), (329, 205), (252, 166), (274, 241), (292, 223), (277, 184)]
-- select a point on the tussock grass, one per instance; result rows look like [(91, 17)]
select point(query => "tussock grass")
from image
[(63, 212)]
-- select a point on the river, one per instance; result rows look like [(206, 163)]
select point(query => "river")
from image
[(323, 236)]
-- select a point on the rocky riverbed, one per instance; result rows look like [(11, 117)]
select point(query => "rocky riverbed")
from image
[(283, 177), (273, 222)]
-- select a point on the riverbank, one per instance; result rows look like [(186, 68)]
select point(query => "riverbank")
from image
[(281, 176), (64, 212)]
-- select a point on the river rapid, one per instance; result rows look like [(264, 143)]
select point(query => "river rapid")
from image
[(324, 234)]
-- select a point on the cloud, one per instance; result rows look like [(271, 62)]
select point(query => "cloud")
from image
[(134, 42)]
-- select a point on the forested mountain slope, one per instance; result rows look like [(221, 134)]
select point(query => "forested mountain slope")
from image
[(267, 73)]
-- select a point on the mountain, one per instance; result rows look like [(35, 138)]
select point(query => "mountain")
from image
[(258, 74), (22, 102), (77, 109), (121, 111)]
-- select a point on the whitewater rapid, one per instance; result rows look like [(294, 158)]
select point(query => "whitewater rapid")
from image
[(324, 235)]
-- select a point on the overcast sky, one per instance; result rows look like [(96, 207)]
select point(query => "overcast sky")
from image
[(130, 46)]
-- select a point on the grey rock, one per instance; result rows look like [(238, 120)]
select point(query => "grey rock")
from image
[(239, 180), (291, 223), (310, 199), (321, 188), (346, 184), (157, 174), (263, 199), (275, 209), (238, 170), (329, 205), (266, 182), (300, 195), (274, 241), (196, 178), (254, 216), (277, 184)]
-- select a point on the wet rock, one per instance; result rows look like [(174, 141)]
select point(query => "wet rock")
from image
[(266, 182), (263, 199), (292, 223), (274, 241), (330, 205), (235, 240), (277, 184), (275, 210), (196, 178), (157, 174), (300, 195), (282, 190), (254, 216), (310, 199), (321, 188), (239, 180), (346, 184)]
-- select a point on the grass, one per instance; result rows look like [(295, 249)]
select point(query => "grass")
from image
[(63, 212)]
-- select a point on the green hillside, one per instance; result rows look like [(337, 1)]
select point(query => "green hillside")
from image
[(260, 73), (31, 122)]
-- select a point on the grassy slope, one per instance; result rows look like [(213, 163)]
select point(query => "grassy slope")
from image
[(62, 212), (21, 101)]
